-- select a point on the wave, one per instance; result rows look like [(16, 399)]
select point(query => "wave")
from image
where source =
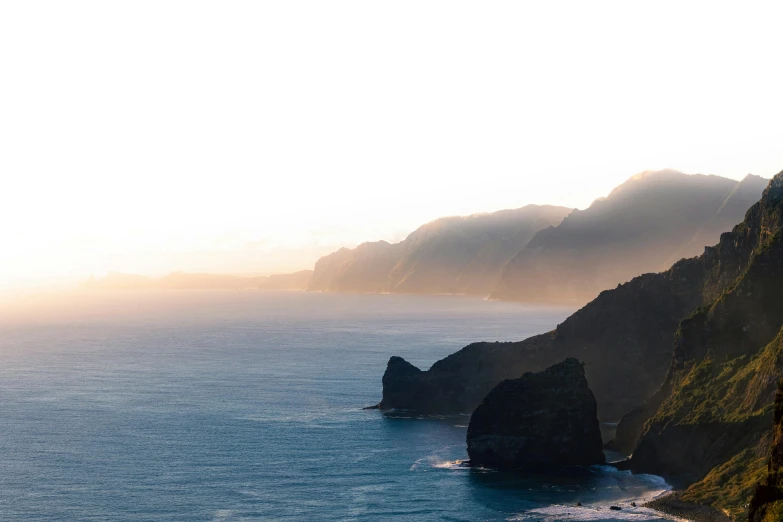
[(593, 513)]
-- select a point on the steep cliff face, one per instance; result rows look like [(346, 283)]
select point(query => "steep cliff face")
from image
[(449, 255), (644, 225), (624, 336), (767, 502), (540, 419), (728, 356)]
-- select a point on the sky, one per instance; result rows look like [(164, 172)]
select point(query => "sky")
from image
[(253, 137)]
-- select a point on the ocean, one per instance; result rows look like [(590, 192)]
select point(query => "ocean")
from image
[(246, 405)]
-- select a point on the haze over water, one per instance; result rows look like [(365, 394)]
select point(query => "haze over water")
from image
[(247, 406)]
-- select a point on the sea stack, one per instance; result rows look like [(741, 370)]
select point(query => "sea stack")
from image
[(541, 419), (397, 391)]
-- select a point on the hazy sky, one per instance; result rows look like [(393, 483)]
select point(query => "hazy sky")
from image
[(254, 136)]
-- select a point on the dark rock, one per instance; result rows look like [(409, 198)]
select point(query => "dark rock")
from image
[(540, 419), (398, 393), (615, 508)]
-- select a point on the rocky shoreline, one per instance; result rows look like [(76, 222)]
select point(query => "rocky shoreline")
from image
[(671, 504)]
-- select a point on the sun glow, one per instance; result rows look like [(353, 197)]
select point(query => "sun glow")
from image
[(255, 137)]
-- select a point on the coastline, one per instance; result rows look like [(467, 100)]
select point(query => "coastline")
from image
[(671, 504)]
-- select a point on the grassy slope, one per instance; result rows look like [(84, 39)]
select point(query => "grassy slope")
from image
[(739, 392)]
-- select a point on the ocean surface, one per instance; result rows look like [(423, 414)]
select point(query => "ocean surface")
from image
[(248, 406)]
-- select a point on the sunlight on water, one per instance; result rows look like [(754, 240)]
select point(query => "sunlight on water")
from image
[(248, 405)]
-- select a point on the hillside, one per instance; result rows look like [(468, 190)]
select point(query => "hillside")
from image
[(449, 255), (710, 426), (644, 225)]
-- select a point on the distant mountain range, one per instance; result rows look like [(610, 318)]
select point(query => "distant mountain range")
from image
[(188, 281), (551, 253), (462, 255), (537, 252)]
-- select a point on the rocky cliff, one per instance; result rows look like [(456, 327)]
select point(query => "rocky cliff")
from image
[(540, 419), (710, 427), (449, 255), (644, 225)]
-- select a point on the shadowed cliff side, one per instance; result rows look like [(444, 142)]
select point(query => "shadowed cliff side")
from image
[(623, 337)]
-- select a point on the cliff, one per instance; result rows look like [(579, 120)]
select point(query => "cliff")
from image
[(624, 336), (645, 225), (709, 428), (448, 255), (538, 420)]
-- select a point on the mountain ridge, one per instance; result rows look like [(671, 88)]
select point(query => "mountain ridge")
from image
[(456, 254), (645, 225)]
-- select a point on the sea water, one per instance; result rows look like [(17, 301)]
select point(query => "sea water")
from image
[(248, 406)]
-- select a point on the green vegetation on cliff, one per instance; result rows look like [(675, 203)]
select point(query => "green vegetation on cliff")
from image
[(729, 404), (711, 431)]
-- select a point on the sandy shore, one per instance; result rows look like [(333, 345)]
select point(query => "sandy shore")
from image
[(671, 504)]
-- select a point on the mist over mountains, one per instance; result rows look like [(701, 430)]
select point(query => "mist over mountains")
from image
[(461, 255), (194, 281), (551, 253), (645, 225)]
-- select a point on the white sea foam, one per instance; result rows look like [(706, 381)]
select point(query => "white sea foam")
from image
[(596, 513), (437, 461)]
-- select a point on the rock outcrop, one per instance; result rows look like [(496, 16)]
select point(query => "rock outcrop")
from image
[(538, 420), (645, 225), (462, 255)]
